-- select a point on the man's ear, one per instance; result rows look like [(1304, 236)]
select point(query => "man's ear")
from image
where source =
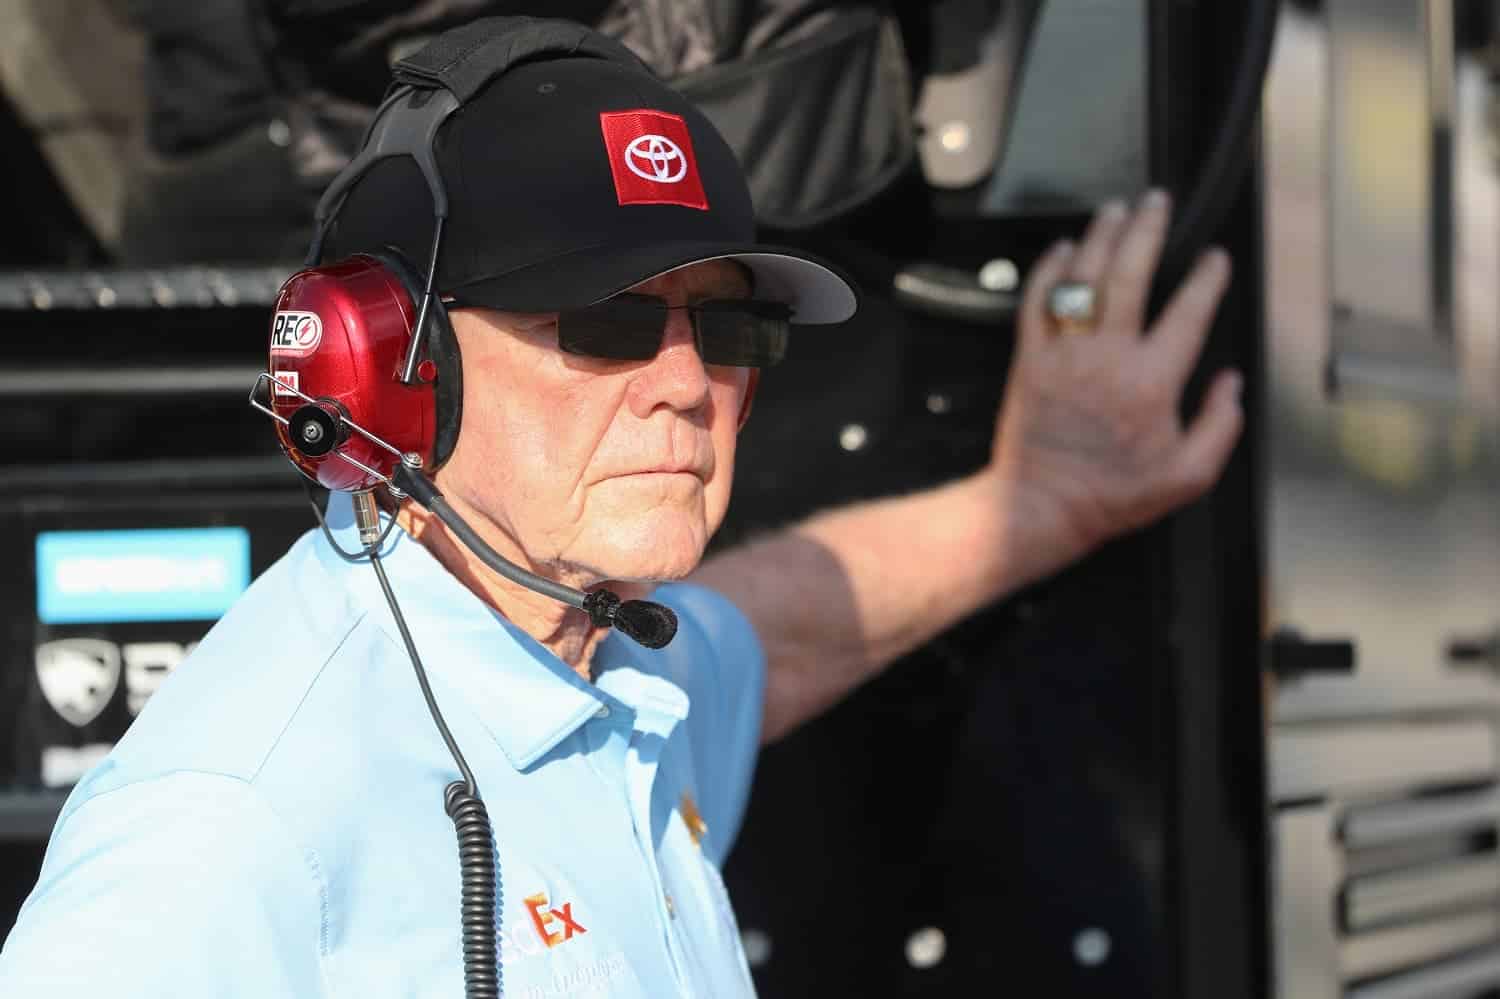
[(749, 401)]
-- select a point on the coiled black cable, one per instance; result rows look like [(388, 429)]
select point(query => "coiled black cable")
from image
[(480, 879), (479, 873)]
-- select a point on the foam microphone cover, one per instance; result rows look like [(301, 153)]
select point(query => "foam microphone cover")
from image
[(650, 624)]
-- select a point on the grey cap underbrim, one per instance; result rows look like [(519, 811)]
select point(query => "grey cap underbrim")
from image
[(816, 291)]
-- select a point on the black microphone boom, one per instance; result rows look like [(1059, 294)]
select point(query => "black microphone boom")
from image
[(650, 624)]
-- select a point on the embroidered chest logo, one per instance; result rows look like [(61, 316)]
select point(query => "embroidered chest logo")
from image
[(693, 819), (554, 926)]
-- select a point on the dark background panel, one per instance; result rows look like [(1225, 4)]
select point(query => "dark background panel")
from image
[(1070, 785)]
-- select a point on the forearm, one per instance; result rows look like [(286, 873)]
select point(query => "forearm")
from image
[(1090, 444), (839, 596)]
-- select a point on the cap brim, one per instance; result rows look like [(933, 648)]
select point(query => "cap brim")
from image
[(817, 292)]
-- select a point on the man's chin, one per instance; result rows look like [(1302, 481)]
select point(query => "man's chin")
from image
[(649, 567), (648, 534), (657, 547)]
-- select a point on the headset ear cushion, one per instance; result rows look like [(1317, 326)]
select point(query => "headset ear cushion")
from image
[(442, 349)]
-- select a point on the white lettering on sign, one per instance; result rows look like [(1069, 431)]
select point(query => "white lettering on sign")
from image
[(140, 574)]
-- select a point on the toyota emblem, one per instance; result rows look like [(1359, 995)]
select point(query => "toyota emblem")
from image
[(656, 158)]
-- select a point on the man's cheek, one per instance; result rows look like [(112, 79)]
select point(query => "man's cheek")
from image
[(716, 497)]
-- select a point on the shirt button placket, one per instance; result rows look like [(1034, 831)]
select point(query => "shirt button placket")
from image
[(641, 776)]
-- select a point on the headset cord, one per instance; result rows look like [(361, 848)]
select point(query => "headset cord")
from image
[(328, 534), (479, 873), (478, 870)]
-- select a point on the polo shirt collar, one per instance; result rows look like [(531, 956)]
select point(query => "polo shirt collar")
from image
[(527, 698)]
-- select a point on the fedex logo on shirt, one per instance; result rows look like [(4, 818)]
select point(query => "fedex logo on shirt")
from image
[(542, 914), (535, 971), (581, 973)]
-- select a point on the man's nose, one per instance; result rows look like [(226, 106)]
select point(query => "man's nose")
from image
[(676, 377)]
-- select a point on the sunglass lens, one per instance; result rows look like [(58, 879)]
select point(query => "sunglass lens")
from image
[(743, 333), (622, 328)]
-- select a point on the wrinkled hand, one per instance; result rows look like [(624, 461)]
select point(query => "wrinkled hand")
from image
[(1089, 442)]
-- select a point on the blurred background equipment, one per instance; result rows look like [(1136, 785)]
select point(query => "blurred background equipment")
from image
[(1247, 752), (1381, 501), (68, 123)]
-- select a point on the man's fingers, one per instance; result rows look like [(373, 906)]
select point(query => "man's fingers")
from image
[(1177, 337), (1098, 246), (1209, 439), (1046, 272), (1129, 281)]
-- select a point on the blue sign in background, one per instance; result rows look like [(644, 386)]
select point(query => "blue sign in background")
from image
[(175, 574)]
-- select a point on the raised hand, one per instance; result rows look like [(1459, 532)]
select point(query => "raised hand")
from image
[(1089, 442)]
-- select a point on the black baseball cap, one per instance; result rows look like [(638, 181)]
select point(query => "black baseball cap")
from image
[(570, 180)]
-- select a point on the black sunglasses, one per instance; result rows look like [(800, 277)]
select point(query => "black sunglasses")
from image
[(743, 332)]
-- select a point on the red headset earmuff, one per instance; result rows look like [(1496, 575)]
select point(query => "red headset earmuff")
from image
[(339, 337)]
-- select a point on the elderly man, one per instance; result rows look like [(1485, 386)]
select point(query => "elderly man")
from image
[(271, 825)]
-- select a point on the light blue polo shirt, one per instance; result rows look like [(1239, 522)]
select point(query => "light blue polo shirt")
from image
[(273, 823)]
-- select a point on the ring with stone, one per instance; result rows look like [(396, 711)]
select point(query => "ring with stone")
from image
[(1073, 306)]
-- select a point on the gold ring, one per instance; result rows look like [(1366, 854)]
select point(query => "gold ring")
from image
[(1073, 306)]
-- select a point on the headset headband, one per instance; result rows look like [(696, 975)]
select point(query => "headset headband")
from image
[(454, 67)]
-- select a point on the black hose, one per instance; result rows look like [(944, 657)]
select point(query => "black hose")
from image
[(1218, 183)]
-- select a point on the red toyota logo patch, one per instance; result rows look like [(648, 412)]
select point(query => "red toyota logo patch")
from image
[(651, 158)]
